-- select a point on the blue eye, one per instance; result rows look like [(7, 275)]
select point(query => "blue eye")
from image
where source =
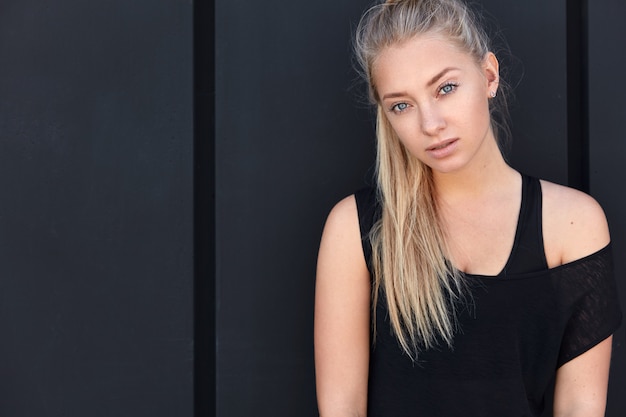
[(448, 88), (399, 108)]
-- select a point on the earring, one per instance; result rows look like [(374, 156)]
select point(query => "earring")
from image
[(493, 94)]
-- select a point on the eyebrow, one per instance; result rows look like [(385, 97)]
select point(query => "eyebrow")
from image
[(429, 84), (439, 75)]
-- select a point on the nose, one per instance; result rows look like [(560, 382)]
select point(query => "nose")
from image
[(431, 120)]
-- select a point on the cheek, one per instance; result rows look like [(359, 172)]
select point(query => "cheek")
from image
[(483, 115), (476, 113), (406, 133), (480, 99), (410, 139), (402, 131), (406, 126)]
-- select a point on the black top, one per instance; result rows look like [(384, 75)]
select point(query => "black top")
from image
[(515, 331)]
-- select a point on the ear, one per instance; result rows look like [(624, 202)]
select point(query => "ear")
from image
[(491, 70)]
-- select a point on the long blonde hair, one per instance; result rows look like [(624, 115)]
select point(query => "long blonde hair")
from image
[(410, 265)]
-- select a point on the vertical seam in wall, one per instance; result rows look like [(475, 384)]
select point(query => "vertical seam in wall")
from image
[(204, 208), (577, 95)]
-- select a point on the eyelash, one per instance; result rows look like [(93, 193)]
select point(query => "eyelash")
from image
[(450, 84), (394, 108)]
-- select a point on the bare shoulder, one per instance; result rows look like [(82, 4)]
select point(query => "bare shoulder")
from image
[(574, 224), (340, 248), (344, 215)]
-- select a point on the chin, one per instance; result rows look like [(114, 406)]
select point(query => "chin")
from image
[(447, 167)]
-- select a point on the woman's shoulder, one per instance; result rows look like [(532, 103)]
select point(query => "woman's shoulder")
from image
[(574, 224), (568, 198), (340, 258), (362, 206), (341, 231), (344, 211)]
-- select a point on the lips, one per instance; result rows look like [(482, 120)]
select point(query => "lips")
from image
[(441, 144), (443, 149)]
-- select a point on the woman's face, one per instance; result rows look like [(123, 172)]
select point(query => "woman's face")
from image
[(436, 98)]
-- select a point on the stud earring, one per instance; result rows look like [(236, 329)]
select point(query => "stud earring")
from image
[(493, 94)]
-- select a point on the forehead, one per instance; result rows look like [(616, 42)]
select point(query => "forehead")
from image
[(418, 59)]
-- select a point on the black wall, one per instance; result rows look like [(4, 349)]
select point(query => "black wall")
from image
[(606, 151), (96, 250), (290, 141), (137, 134)]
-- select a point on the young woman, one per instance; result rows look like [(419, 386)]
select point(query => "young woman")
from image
[(458, 286)]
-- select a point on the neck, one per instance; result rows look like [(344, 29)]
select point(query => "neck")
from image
[(489, 175)]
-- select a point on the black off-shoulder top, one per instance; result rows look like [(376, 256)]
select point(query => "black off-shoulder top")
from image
[(514, 331)]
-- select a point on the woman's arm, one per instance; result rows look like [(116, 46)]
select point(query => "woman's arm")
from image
[(581, 384), (575, 226), (342, 316)]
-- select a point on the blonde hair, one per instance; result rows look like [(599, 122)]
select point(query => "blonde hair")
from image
[(409, 242)]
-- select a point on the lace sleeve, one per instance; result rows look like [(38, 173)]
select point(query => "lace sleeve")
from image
[(589, 303)]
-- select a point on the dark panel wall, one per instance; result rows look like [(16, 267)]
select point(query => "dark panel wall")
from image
[(607, 112), (289, 143), (96, 223), (96, 206), (535, 31)]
